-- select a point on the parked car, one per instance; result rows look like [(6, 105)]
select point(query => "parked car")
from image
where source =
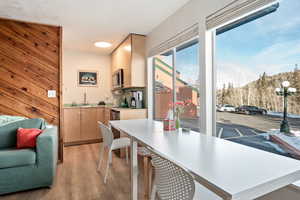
[(249, 110), (226, 108)]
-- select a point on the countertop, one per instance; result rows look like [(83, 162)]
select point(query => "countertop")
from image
[(124, 109), (68, 106), (87, 106)]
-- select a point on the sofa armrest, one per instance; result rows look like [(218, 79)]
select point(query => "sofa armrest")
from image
[(47, 150)]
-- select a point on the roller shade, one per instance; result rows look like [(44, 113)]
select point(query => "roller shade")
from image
[(247, 19), (234, 11), (180, 38)]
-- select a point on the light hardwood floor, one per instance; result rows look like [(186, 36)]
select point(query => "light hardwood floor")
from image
[(77, 179)]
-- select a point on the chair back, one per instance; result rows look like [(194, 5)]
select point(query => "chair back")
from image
[(107, 134), (172, 182)]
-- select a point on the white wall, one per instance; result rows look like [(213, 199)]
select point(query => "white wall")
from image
[(77, 60), (193, 12)]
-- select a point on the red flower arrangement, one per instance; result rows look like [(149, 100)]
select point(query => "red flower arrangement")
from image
[(179, 108)]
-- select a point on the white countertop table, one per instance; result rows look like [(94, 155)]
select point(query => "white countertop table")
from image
[(231, 170)]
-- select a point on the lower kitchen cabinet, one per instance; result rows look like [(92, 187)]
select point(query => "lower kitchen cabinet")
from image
[(81, 124), (71, 126), (88, 124)]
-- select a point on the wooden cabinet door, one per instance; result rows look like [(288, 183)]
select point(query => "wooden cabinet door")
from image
[(138, 61), (125, 59), (106, 116), (71, 124), (88, 127), (101, 118), (114, 60)]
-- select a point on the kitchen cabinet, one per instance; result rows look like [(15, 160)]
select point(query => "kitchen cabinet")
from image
[(125, 114), (71, 129), (106, 116), (128, 113), (81, 124), (131, 57), (88, 124)]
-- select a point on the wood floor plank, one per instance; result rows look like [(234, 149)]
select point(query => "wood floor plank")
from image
[(78, 179)]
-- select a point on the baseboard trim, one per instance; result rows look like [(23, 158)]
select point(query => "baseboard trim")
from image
[(67, 144)]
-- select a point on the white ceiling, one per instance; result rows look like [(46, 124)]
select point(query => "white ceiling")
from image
[(87, 21)]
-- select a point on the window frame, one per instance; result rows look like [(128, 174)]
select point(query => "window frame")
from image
[(251, 16), (174, 50)]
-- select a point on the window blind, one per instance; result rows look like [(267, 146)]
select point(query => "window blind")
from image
[(180, 38), (247, 19), (234, 11)]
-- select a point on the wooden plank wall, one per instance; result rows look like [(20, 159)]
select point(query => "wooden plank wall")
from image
[(30, 59)]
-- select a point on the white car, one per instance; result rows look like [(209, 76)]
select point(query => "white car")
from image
[(226, 108)]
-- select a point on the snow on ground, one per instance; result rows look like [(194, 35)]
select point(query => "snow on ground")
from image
[(280, 114)]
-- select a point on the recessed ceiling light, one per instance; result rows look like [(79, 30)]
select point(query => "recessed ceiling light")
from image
[(102, 44), (127, 48)]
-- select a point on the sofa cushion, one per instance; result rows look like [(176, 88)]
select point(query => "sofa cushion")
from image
[(8, 133), (6, 119), (12, 157)]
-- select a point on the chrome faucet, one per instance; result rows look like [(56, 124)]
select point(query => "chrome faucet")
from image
[(84, 97)]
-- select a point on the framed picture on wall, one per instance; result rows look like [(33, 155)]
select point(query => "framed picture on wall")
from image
[(87, 78)]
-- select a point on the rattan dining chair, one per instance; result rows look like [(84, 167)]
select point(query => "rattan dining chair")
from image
[(171, 182), (145, 154), (111, 144)]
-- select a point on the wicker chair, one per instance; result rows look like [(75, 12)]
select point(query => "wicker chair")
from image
[(145, 154), (171, 182)]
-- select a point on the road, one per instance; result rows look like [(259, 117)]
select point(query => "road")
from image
[(230, 125)]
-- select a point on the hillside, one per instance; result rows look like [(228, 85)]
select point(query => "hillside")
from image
[(261, 92)]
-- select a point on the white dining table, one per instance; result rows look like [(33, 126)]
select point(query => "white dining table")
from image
[(230, 170)]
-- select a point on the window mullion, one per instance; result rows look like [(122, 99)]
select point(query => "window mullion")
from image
[(174, 75)]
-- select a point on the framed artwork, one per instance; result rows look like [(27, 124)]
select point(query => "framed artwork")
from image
[(87, 78)]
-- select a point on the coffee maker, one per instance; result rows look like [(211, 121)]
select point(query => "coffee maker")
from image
[(136, 100)]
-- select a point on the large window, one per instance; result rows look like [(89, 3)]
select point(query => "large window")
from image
[(253, 60), (176, 79)]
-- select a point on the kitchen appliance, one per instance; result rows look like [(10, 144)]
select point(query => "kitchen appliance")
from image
[(114, 114), (118, 79), (136, 99), (101, 103)]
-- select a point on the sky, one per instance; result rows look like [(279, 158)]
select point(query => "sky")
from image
[(188, 64), (269, 44)]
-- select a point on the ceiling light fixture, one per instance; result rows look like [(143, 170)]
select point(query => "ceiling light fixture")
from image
[(127, 48), (102, 44)]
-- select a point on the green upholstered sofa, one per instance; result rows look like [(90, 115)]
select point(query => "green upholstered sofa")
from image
[(27, 168)]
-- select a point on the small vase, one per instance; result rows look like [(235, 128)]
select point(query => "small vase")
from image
[(177, 122)]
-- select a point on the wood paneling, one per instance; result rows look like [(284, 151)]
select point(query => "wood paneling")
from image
[(30, 65)]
